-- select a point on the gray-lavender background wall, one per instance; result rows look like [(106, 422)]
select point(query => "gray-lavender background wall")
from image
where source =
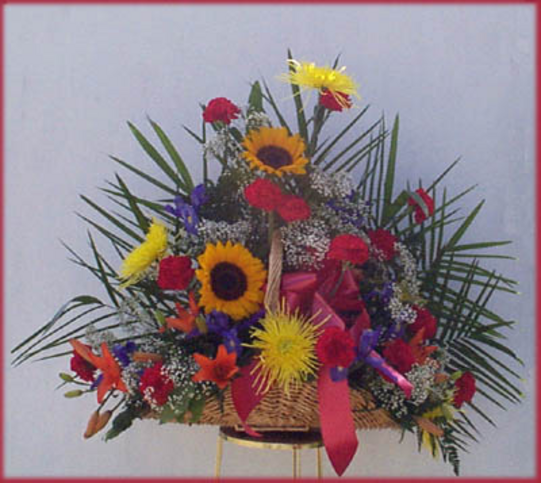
[(461, 77)]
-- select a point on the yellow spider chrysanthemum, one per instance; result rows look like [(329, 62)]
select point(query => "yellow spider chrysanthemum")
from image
[(273, 150), (140, 259), (308, 75), (231, 279), (287, 344)]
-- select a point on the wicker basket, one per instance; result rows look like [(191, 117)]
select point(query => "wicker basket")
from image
[(299, 409)]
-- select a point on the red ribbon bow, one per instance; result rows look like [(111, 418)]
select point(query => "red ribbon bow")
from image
[(316, 294)]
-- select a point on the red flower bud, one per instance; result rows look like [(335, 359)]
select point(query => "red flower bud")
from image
[(263, 194), (84, 369), (335, 348), (424, 320), (159, 384), (293, 208), (383, 241), (175, 273), (464, 389), (348, 248), (220, 109), (419, 214), (335, 101), (399, 355)]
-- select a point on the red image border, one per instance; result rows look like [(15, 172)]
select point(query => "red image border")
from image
[(273, 2)]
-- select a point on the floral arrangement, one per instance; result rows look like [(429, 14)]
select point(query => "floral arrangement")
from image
[(299, 265)]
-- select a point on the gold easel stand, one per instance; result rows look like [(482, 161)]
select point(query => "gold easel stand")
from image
[(282, 440)]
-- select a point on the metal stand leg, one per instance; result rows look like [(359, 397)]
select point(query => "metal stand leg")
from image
[(296, 463), (219, 453), (318, 463)]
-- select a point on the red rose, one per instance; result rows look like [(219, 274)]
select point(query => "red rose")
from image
[(384, 242), (335, 348), (420, 215), (293, 208), (220, 109), (464, 389), (263, 194), (336, 101), (84, 369), (155, 385), (399, 355), (175, 273), (348, 248), (424, 320)]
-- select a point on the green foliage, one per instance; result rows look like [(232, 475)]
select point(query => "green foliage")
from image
[(122, 421)]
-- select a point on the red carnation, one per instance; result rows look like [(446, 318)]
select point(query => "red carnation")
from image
[(220, 109), (420, 215), (399, 355), (175, 273), (348, 248), (263, 194), (384, 241), (464, 389), (335, 101), (293, 208), (155, 386), (84, 369), (424, 320), (335, 348)]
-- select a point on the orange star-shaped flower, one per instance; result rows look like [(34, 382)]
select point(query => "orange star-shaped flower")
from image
[(106, 364), (185, 321), (219, 370)]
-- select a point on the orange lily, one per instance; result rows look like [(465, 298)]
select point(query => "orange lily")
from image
[(219, 370), (106, 364), (420, 352), (185, 321)]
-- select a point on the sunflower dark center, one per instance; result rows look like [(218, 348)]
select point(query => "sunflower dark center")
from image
[(228, 281), (274, 156)]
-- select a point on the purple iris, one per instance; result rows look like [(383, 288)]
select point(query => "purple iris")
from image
[(386, 292), (177, 209), (189, 212), (217, 322), (220, 324), (252, 320), (232, 342), (122, 352), (199, 196), (339, 373), (367, 342), (186, 213)]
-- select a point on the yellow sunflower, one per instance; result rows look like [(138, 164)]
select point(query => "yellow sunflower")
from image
[(231, 279), (141, 258), (308, 75), (273, 150), (287, 343)]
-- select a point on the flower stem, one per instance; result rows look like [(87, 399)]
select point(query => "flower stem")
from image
[(319, 121), (109, 394)]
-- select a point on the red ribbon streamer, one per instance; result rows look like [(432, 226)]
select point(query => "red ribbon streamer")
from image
[(245, 398), (337, 425), (303, 291)]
